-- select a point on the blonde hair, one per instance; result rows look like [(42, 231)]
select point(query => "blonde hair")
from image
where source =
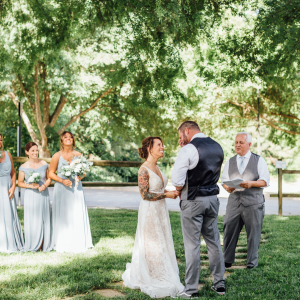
[(61, 139)]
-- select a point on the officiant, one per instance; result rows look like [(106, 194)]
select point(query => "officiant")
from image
[(245, 205)]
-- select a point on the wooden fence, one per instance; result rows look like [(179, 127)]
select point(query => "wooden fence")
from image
[(280, 195), (98, 163), (137, 164)]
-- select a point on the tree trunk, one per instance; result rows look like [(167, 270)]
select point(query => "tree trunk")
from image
[(44, 153), (43, 149)]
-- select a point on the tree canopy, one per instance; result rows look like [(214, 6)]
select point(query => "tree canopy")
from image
[(127, 69), (62, 59)]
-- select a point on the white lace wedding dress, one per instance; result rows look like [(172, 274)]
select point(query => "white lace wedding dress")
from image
[(153, 268)]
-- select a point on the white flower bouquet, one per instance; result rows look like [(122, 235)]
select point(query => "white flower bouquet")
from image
[(34, 177), (67, 171), (80, 167)]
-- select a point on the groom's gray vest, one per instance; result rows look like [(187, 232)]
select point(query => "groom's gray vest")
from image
[(250, 196), (202, 180)]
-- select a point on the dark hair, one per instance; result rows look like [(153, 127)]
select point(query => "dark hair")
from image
[(30, 145), (188, 124), (147, 143), (2, 142), (61, 139)]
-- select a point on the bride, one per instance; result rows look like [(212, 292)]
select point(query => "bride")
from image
[(153, 268)]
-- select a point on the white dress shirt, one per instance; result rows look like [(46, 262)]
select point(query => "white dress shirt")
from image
[(187, 159), (262, 168)]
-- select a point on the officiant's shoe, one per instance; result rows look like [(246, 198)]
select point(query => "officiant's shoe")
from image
[(219, 290), (184, 295), (228, 265)]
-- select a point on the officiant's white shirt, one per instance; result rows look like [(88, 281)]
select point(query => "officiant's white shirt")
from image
[(187, 159), (262, 168)]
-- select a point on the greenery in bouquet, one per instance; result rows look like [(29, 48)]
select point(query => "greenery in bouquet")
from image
[(80, 167), (67, 171), (34, 177)]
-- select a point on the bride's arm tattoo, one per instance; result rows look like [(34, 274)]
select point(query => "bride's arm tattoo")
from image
[(143, 178)]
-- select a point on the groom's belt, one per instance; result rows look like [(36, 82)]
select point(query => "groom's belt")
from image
[(202, 190)]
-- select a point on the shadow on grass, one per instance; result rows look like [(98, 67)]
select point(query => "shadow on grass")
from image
[(45, 275), (54, 275), (48, 275)]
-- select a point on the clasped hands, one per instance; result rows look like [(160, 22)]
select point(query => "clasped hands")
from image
[(172, 194), (36, 186), (244, 185)]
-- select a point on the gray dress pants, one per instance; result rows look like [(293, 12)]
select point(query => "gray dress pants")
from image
[(235, 218), (200, 216)]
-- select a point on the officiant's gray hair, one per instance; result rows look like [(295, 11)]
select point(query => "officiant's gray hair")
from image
[(189, 125), (248, 136)]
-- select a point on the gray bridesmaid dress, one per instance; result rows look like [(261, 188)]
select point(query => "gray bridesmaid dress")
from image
[(11, 236), (71, 226), (37, 214)]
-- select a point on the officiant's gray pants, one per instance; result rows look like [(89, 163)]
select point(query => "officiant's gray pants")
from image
[(200, 216), (235, 218)]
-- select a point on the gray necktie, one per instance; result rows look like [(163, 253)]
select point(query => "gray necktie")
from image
[(241, 167)]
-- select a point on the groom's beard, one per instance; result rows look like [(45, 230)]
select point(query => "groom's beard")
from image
[(185, 139)]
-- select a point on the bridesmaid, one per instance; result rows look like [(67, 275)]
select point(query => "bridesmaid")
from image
[(37, 220), (11, 236), (71, 227)]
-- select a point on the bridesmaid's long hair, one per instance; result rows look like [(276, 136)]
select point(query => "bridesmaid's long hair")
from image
[(61, 139), (1, 148), (148, 143)]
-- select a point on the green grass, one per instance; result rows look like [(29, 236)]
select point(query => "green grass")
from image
[(55, 276)]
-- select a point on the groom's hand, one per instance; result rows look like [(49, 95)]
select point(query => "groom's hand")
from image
[(181, 143)]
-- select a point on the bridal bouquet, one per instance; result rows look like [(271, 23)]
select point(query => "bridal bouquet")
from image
[(34, 177), (67, 171), (80, 167)]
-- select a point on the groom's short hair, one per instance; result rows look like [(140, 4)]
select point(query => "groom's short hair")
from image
[(190, 125)]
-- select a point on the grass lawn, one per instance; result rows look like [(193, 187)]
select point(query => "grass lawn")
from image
[(55, 276)]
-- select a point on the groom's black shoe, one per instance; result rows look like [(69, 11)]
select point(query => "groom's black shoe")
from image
[(228, 265), (219, 290), (250, 267)]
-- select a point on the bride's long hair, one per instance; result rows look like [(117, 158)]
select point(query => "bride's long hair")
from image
[(148, 143)]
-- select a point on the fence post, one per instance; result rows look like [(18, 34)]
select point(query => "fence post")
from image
[(279, 192)]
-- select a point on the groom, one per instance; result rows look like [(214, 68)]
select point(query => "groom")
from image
[(196, 173)]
